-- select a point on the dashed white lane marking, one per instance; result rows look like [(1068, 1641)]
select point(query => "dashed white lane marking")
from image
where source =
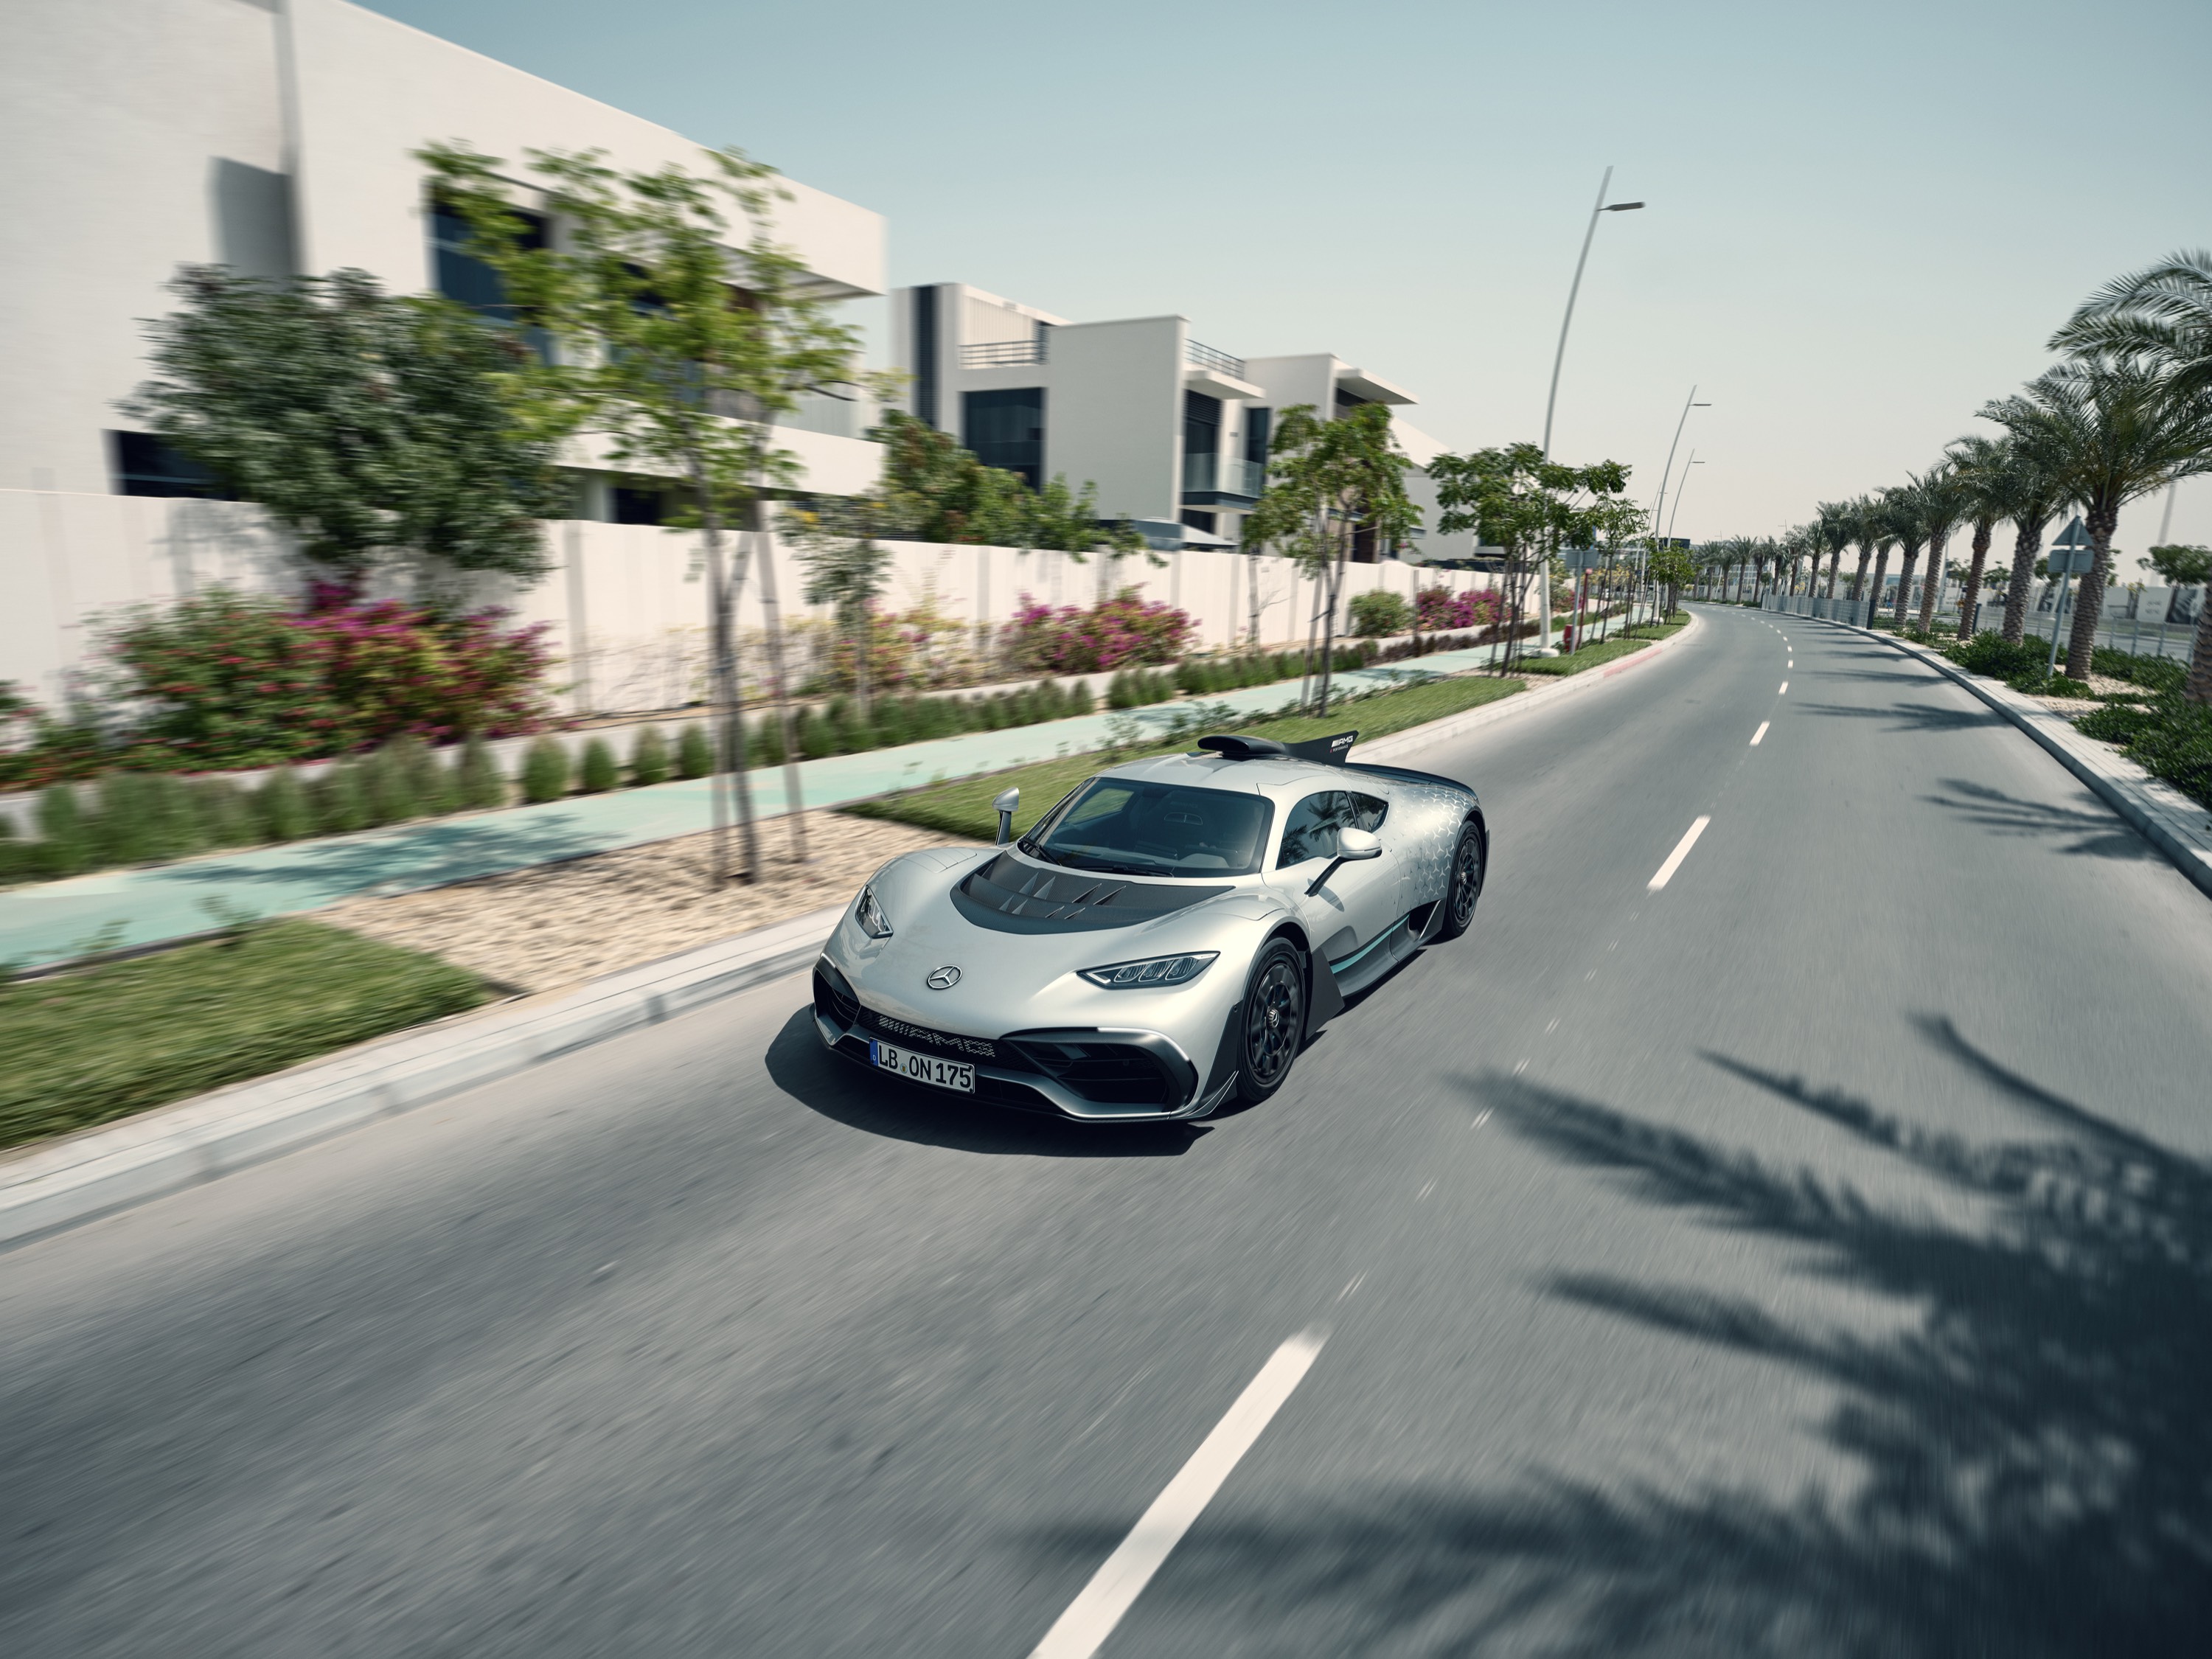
[(1554, 1026), (1761, 733), (1424, 1191), (1357, 1279), (1681, 851), (1483, 1119), (1784, 691), (1090, 1618), (1522, 1067)]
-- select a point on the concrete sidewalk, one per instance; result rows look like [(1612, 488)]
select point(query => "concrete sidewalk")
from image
[(56, 920)]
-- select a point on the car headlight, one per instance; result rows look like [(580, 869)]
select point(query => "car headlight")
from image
[(1152, 971), (870, 915)]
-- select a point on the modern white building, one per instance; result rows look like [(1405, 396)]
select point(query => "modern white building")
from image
[(1173, 431), (276, 136)]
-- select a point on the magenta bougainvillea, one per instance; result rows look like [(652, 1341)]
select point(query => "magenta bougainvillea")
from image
[(226, 679), (1442, 611), (1123, 631)]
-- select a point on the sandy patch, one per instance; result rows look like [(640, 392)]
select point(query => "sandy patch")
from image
[(556, 924)]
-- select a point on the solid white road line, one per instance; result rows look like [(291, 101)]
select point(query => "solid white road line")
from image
[(1674, 858), (1090, 1618), (1761, 733)]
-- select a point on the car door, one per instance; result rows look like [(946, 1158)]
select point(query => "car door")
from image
[(1358, 902)]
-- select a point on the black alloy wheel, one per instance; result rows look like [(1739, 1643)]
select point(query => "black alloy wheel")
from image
[(1466, 883), (1274, 1021)]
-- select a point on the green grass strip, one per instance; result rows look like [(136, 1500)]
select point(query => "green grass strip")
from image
[(81, 1048), (1604, 650), (964, 807)]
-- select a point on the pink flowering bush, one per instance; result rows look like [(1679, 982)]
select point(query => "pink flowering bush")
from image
[(228, 680), (1440, 608), (1122, 631)]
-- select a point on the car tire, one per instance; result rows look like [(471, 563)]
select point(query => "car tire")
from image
[(1464, 885), (1273, 1017)]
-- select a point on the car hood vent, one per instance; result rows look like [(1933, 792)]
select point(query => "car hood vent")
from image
[(1012, 895)]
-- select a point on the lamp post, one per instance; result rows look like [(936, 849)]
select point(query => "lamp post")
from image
[(1551, 402), (1688, 404), (1680, 490)]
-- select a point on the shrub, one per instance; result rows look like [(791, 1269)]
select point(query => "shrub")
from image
[(599, 773), (340, 803), (477, 779), (61, 823), (544, 771), (1072, 641), (387, 787), (226, 679), (1381, 612), (1439, 609), (2170, 739), (1989, 654), (226, 814), (282, 804), (648, 758), (2158, 673), (430, 779), (695, 752)]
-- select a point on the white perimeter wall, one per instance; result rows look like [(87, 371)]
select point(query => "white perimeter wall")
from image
[(626, 608)]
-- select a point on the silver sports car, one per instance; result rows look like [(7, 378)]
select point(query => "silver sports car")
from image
[(1170, 932)]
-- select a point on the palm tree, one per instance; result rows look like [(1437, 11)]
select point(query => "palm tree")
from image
[(2113, 429), (1978, 463), (1945, 498), (2030, 494), (1868, 531), (1908, 522), (2160, 316), (1831, 533), (1883, 525)]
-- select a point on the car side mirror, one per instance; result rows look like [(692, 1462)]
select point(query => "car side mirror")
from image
[(1007, 800), (1352, 847)]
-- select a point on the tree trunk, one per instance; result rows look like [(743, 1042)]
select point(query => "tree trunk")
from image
[(1905, 583), (2089, 604), (2197, 688), (1880, 575), (1329, 623), (1835, 559), (1859, 576), (1969, 596), (2027, 542), (794, 803), (1929, 588), (729, 786)]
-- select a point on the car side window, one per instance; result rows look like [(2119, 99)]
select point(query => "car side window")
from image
[(1310, 830), (1368, 813)]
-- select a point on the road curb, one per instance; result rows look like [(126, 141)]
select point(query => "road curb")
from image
[(1452, 726), (2154, 809), (165, 1151)]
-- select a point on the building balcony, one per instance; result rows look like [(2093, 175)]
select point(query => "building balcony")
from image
[(1215, 374), (1221, 481), (1003, 354)]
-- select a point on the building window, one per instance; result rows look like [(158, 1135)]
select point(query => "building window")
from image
[(633, 506), (1258, 429), (464, 277), (1006, 430), (145, 466), (1202, 424), (925, 354), (1201, 521)]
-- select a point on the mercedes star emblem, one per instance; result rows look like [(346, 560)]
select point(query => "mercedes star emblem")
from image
[(943, 978)]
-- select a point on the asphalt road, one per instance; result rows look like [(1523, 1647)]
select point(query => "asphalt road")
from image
[(1813, 1257)]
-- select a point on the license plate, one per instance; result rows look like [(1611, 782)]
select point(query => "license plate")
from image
[(924, 1068)]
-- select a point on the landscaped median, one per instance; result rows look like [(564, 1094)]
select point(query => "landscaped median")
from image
[(81, 1048), (1597, 654)]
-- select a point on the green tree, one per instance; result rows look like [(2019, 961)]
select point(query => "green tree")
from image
[(2160, 317), (1327, 481), (836, 541), (1943, 499), (1673, 568), (2111, 430), (1979, 465), (2180, 565), (935, 490), (683, 332), (374, 428)]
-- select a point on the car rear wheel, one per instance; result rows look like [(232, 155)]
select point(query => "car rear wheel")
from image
[(1466, 883), (1274, 1018)]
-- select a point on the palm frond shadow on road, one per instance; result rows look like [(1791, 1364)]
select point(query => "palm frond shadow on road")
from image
[(2092, 830), (1907, 716), (2034, 1443)]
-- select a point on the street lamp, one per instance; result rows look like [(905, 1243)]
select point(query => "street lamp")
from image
[(1688, 404), (1679, 489), (1559, 356)]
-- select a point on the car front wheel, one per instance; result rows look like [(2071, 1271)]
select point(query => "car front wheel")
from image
[(1274, 1021), (1466, 883)]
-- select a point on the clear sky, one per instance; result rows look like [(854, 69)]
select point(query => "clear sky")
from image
[(1864, 218)]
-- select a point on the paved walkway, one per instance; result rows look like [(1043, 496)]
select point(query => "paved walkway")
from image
[(56, 920)]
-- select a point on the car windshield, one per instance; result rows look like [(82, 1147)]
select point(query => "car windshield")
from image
[(1124, 827)]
